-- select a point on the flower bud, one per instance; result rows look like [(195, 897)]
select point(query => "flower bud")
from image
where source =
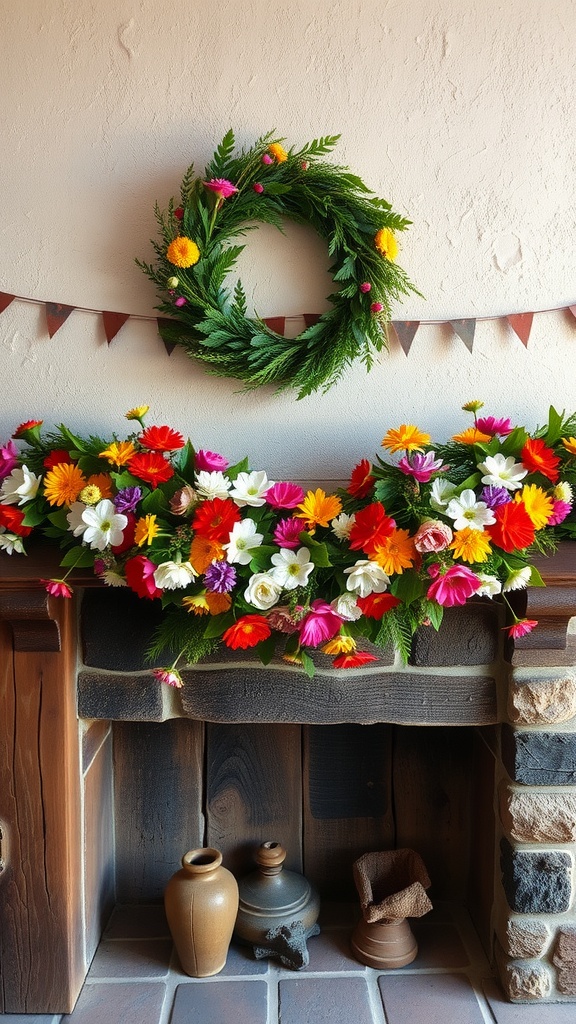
[(172, 283), (365, 287)]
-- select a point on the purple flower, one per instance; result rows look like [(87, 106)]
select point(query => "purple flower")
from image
[(127, 499), (220, 577), (495, 496), (8, 459), (492, 425), (287, 533), (421, 467), (212, 462)]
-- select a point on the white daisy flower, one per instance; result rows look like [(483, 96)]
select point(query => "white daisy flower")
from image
[(440, 493), (467, 511), (518, 579), (501, 471), (104, 525), (490, 585), (291, 568), (342, 525), (212, 485), (250, 489), (174, 575), (10, 542), (243, 542), (21, 486)]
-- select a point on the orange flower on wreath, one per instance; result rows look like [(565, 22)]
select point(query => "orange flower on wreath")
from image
[(375, 606), (539, 458), (513, 529), (215, 518), (395, 553), (63, 483), (248, 631), (151, 467), (204, 551), (361, 479), (319, 508)]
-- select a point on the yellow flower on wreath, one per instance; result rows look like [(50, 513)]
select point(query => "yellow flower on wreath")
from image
[(197, 604), (137, 413), (385, 242), (146, 529), (118, 452), (395, 553), (537, 503), (63, 483), (340, 645), (407, 438), (570, 444), (183, 252), (472, 436), (278, 152), (471, 546), (319, 508)]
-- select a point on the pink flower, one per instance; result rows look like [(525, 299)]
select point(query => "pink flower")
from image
[(221, 187), (287, 533), (180, 301), (365, 287), (320, 624), (521, 628), (560, 509), (491, 425), (212, 462), (453, 587), (421, 467), (433, 535), (284, 495), (267, 159), (258, 187), (8, 459), (139, 572), (57, 588), (170, 676), (376, 307)]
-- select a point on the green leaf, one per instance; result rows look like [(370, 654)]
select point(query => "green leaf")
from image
[(33, 517), (78, 557), (434, 612), (319, 554), (307, 664), (555, 426), (275, 188), (183, 461), (408, 587), (155, 503), (265, 650), (75, 442), (535, 578), (59, 520), (218, 624)]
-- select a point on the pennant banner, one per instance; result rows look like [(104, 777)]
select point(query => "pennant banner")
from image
[(56, 315), (166, 332), (465, 330), (5, 300), (405, 331), (311, 318), (572, 310), (521, 323), (112, 323), (276, 323)]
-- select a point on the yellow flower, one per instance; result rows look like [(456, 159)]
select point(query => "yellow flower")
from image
[(146, 529), (119, 452), (278, 152), (90, 495), (319, 508), (471, 545), (570, 444), (197, 604), (473, 406), (103, 481), (340, 645), (63, 483), (472, 436), (385, 242), (537, 503), (395, 553), (137, 413), (407, 438), (183, 252)]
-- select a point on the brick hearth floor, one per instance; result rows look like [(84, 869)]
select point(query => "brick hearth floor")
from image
[(135, 978)]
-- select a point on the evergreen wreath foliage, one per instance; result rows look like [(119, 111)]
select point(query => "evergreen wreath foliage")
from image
[(198, 250)]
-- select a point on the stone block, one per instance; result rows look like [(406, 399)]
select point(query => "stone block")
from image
[(119, 696), (470, 635), (524, 938), (537, 758), (564, 960), (523, 980), (542, 699), (536, 816), (536, 882), (116, 627)]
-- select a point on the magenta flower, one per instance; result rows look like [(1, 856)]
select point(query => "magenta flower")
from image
[(492, 425), (180, 301), (320, 624), (522, 627), (452, 587), (287, 533), (212, 462), (170, 676), (8, 459), (57, 588), (267, 159), (560, 509), (421, 467), (259, 188), (376, 307), (221, 187), (365, 287), (284, 495)]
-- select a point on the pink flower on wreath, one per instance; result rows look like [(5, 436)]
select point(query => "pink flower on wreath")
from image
[(57, 588), (284, 494), (365, 287), (258, 187), (170, 676), (420, 466), (287, 533), (320, 624), (452, 587), (560, 509), (221, 187), (139, 572), (491, 425), (212, 462), (521, 628), (8, 459), (432, 536), (376, 307)]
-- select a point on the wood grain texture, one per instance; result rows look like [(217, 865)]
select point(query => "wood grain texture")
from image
[(158, 803), (99, 871), (254, 792)]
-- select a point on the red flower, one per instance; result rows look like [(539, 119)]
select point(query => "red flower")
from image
[(139, 572), (522, 628), (375, 606), (57, 588), (11, 519), (215, 518), (161, 439), (538, 458), (23, 429), (56, 458), (513, 528), (371, 526), (361, 481), (127, 536), (248, 631), (151, 467), (354, 660)]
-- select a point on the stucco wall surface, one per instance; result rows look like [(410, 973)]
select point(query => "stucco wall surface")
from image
[(459, 113)]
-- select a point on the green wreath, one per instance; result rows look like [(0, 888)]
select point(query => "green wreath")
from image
[(266, 184)]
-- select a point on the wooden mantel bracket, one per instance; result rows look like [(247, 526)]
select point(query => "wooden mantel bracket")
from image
[(31, 617)]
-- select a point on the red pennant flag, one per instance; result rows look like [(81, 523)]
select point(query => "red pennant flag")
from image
[(276, 323), (521, 324), (166, 330), (311, 318), (56, 315), (572, 310), (465, 330), (5, 300), (405, 331), (112, 323)]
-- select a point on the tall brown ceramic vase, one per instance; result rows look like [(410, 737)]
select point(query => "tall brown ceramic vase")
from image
[(201, 902)]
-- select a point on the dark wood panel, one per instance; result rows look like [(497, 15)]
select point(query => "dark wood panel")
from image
[(347, 802), (482, 852), (158, 803), (254, 792)]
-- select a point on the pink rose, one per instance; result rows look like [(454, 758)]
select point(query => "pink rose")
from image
[(432, 536)]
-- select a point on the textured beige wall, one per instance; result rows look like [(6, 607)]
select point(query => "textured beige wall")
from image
[(459, 112)]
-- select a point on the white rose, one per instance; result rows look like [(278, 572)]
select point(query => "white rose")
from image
[(262, 591)]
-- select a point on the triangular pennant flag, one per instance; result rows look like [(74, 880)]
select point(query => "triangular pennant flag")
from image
[(5, 300), (56, 315), (166, 332), (521, 323), (465, 330), (572, 310), (112, 323), (311, 318), (405, 331), (276, 323)]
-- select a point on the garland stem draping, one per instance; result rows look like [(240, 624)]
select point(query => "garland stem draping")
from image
[(242, 561)]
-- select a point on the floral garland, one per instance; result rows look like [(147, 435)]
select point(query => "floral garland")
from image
[(239, 560), (266, 184)]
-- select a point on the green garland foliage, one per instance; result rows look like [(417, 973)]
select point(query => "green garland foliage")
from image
[(271, 184)]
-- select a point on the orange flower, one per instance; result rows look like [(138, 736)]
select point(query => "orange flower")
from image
[(539, 458), (215, 518), (146, 529), (183, 252), (471, 545), (472, 436), (278, 152), (386, 243), (63, 483), (319, 508), (151, 467), (375, 606), (103, 481), (513, 529), (248, 631), (218, 603), (570, 444), (395, 553), (197, 604), (340, 645), (204, 551), (407, 438), (161, 439), (355, 660)]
